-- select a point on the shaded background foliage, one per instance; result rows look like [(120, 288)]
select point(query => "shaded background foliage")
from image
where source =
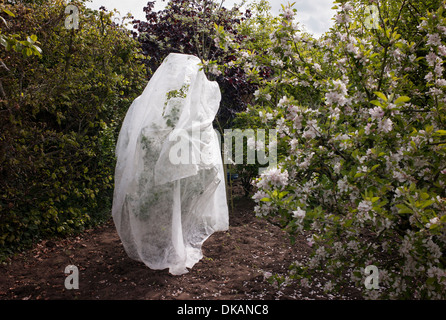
[(59, 119), (189, 27)]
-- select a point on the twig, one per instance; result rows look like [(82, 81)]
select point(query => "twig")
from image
[(2, 91)]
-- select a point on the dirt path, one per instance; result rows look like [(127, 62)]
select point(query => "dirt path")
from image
[(233, 267)]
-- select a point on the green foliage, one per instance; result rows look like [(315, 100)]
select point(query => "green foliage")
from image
[(362, 111), (60, 113), (254, 118), (27, 47), (258, 28)]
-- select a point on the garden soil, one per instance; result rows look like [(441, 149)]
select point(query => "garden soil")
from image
[(236, 266)]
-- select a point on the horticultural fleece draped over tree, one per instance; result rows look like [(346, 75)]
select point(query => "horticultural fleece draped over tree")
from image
[(164, 210)]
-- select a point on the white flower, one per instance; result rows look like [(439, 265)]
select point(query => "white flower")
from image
[(442, 29), (386, 125), (214, 70), (244, 54), (432, 221), (432, 58), (321, 253), (433, 271), (276, 177), (299, 213), (352, 245), (433, 39), (441, 82), (429, 77), (342, 18), (310, 133), (376, 113), (281, 126), (438, 70), (337, 168), (442, 50), (347, 7), (277, 62), (367, 128), (435, 91), (365, 206), (433, 248), (399, 193), (399, 176), (341, 86), (342, 61), (305, 283), (297, 122), (422, 25), (332, 97), (310, 241), (343, 185), (258, 95), (288, 13), (338, 94), (328, 286), (259, 195), (352, 48), (293, 144), (283, 101)]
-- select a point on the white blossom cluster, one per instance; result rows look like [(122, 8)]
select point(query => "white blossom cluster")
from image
[(364, 168)]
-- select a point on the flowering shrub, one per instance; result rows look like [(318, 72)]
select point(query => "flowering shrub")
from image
[(362, 114)]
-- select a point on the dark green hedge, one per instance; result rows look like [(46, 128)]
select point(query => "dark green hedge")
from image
[(59, 119)]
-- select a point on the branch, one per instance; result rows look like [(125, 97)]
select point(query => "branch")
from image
[(386, 47), (4, 65), (2, 91)]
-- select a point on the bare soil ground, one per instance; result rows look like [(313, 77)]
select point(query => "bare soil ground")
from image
[(233, 267)]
